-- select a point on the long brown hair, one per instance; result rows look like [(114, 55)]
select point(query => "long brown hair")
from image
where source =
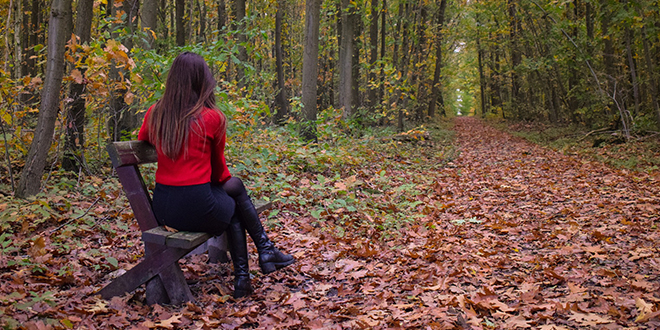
[(189, 88)]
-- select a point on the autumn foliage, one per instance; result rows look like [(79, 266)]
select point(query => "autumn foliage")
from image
[(489, 233)]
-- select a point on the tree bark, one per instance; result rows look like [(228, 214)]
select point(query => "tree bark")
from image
[(373, 54), (124, 119), (346, 60), (280, 99), (222, 15), (632, 70), (436, 93), (180, 10), (74, 158), (239, 11), (59, 31), (149, 17), (383, 28), (310, 68)]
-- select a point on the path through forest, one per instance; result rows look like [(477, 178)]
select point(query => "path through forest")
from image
[(510, 235), (520, 237)]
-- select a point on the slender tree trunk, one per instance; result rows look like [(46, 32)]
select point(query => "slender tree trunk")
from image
[(310, 68), (149, 17), (373, 54), (280, 99), (515, 56), (436, 92), (482, 79), (632, 69), (124, 119), (180, 9), (59, 31), (33, 31), (653, 75), (346, 60), (383, 28), (74, 158), (239, 12), (222, 15), (356, 21), (202, 22)]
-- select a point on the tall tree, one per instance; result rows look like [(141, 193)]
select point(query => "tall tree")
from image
[(149, 16), (436, 92), (280, 99), (74, 158), (310, 67), (346, 58), (180, 10), (59, 31), (373, 54), (239, 25)]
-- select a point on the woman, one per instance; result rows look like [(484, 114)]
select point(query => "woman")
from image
[(194, 189)]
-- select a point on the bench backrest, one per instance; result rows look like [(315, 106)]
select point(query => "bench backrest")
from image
[(126, 156)]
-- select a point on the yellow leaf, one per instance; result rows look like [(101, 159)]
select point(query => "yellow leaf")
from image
[(644, 309)]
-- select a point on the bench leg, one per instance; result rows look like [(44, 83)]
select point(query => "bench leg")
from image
[(218, 249), (163, 261)]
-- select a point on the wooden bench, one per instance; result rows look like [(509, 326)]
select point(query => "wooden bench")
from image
[(159, 269)]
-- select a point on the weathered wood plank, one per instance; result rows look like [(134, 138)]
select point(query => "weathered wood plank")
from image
[(186, 239), (151, 266), (156, 235), (131, 153), (138, 196)]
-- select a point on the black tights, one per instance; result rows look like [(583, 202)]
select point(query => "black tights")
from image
[(236, 190)]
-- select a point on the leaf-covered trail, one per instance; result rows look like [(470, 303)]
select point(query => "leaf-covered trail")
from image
[(547, 239), (507, 235)]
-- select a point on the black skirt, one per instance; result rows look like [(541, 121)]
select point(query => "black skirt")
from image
[(201, 208)]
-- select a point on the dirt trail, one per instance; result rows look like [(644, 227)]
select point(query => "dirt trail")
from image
[(549, 239)]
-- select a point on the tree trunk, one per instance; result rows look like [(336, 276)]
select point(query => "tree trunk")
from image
[(59, 31), (632, 69), (310, 68), (356, 21), (653, 75), (515, 56), (124, 120), (280, 99), (180, 10), (149, 17), (373, 55), (383, 17), (202, 22), (74, 158), (239, 11), (436, 85), (346, 60), (33, 31), (222, 15)]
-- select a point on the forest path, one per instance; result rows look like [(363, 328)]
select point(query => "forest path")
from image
[(544, 236)]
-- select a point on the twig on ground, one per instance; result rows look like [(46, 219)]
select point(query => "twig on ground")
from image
[(592, 132), (76, 218)]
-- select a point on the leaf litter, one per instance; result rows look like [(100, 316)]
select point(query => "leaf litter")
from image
[(501, 234)]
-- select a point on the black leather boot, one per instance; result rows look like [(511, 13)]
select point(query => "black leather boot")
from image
[(239, 256), (270, 258)]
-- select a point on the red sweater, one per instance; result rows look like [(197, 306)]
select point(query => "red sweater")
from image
[(205, 160)]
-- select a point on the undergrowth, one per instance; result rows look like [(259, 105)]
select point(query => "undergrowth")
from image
[(641, 153), (370, 183)]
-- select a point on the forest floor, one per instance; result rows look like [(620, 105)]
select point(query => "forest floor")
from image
[(507, 235)]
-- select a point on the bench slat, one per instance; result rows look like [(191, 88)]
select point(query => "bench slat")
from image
[(186, 239), (131, 153), (156, 235)]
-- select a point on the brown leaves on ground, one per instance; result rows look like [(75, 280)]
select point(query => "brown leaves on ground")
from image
[(511, 236)]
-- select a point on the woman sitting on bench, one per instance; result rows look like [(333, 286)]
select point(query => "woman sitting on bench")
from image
[(194, 189)]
